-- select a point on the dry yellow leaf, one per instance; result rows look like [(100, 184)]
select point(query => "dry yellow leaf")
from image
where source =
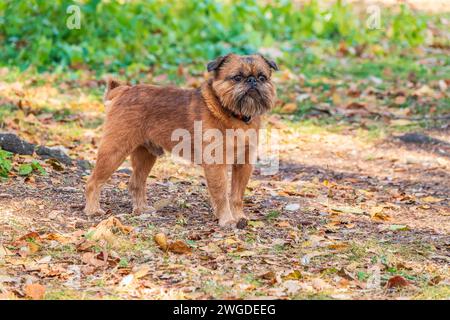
[(56, 237), (179, 247), (289, 108), (33, 247), (283, 224), (294, 275), (338, 246), (122, 185), (90, 258), (161, 241), (377, 213), (141, 271), (431, 199), (35, 291), (230, 241), (107, 229)]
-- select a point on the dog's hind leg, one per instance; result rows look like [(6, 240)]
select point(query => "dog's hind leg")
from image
[(142, 161), (113, 150)]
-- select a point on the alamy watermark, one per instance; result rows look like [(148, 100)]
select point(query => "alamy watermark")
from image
[(73, 21), (258, 147), (373, 21)]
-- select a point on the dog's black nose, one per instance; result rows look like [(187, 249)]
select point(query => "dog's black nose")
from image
[(252, 81)]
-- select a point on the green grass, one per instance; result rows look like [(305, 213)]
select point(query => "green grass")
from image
[(138, 36)]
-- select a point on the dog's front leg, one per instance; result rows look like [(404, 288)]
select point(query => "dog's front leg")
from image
[(216, 178), (240, 175)]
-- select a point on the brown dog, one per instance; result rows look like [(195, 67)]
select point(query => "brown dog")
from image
[(141, 121)]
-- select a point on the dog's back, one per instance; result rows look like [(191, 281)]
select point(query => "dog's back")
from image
[(113, 89)]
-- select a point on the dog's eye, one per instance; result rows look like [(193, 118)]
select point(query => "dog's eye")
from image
[(262, 78), (237, 78)]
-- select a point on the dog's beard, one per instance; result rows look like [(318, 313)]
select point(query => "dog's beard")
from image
[(245, 101), (253, 102)]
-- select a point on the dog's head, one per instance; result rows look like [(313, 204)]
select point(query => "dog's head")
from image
[(243, 83)]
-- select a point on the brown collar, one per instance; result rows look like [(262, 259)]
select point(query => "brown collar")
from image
[(214, 105)]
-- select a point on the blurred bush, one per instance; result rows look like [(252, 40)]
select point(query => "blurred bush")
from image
[(166, 33)]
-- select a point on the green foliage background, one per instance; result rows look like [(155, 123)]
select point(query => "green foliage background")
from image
[(138, 35)]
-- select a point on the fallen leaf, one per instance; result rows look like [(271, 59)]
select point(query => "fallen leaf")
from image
[(348, 209), (443, 85), (431, 199), (345, 274), (256, 223), (291, 286), (376, 213), (270, 275), (435, 280), (179, 247), (35, 291), (398, 227), (211, 248), (141, 271), (283, 224), (397, 282), (107, 229), (424, 91), (56, 237), (337, 100), (289, 108), (230, 241), (320, 284), (33, 247), (338, 246), (355, 105), (245, 253), (7, 295), (122, 185), (91, 258), (113, 222), (161, 241), (56, 165), (44, 260), (30, 236), (294, 275)]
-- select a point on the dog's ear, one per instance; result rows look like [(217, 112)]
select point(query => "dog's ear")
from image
[(216, 63), (271, 63)]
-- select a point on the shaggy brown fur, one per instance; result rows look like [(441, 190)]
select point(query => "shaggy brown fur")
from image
[(140, 120)]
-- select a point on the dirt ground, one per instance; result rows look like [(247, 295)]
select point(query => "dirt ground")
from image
[(345, 217)]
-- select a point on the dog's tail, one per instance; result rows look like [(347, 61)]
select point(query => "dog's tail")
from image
[(111, 84)]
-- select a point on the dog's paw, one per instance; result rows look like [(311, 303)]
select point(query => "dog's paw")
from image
[(142, 209), (239, 214), (225, 222), (138, 211), (94, 212)]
